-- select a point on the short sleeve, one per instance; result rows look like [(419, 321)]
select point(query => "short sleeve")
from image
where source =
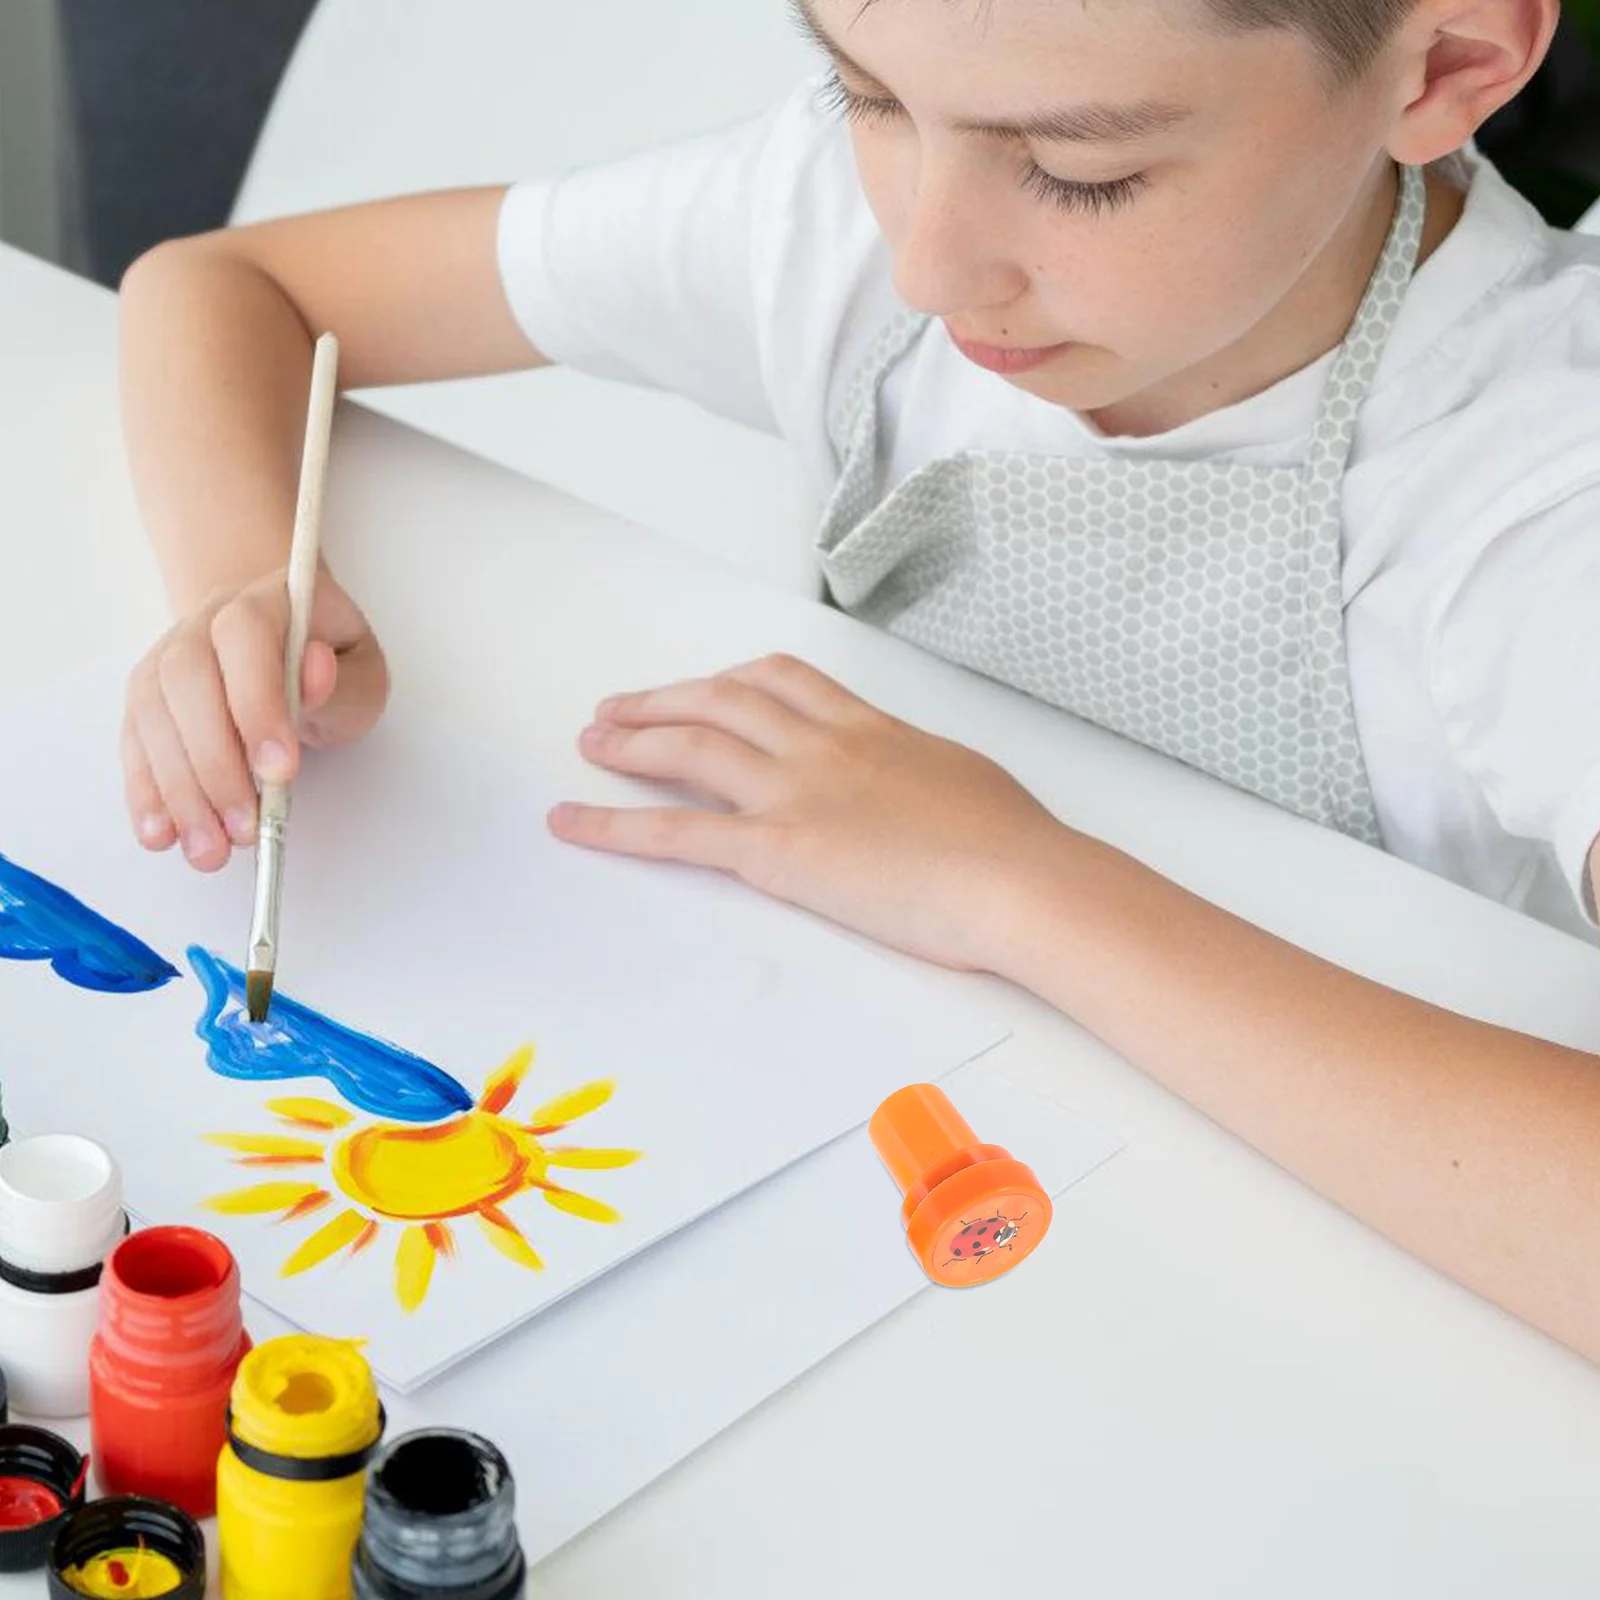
[(1515, 673), (741, 269)]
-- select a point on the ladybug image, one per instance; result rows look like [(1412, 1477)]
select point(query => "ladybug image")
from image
[(984, 1237)]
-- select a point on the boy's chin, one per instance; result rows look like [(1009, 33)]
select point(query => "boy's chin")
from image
[(1082, 378)]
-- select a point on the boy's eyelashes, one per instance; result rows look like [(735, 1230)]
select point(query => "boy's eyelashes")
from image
[(1067, 194)]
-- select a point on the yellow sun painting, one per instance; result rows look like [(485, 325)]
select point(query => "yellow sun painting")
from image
[(472, 1164)]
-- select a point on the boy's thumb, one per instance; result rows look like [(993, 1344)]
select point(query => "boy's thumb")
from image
[(319, 673), (342, 696)]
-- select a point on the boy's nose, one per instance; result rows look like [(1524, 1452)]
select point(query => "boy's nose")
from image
[(951, 257)]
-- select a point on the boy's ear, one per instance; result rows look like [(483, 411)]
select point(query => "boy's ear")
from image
[(1463, 60)]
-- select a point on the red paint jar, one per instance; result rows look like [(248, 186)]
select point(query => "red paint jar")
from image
[(161, 1366)]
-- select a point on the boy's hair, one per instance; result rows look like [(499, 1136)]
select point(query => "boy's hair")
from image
[(1348, 34)]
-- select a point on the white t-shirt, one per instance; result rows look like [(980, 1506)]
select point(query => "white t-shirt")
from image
[(743, 270)]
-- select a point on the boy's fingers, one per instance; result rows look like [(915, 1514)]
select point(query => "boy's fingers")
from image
[(800, 685), (192, 688), (723, 702), (247, 636), (663, 833), (319, 672), (335, 617), (199, 831), (358, 694), (707, 759), (146, 810)]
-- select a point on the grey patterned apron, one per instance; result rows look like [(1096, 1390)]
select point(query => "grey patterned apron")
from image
[(1195, 607)]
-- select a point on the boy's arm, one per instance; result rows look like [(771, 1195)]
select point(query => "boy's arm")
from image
[(216, 336), (1474, 1147)]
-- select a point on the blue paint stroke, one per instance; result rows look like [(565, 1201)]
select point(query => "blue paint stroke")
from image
[(297, 1042), (39, 922)]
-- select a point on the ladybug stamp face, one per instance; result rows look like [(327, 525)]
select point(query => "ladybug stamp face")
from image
[(984, 1237)]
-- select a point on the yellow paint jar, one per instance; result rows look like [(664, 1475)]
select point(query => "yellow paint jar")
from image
[(304, 1420)]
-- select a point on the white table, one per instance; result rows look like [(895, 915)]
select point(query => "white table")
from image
[(1212, 1383)]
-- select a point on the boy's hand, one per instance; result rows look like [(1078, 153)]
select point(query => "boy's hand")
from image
[(206, 709), (828, 803)]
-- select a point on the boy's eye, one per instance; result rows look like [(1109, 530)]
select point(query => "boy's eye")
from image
[(857, 107), (1073, 196), (1066, 194)]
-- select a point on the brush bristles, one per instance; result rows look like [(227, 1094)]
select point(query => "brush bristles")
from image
[(257, 995)]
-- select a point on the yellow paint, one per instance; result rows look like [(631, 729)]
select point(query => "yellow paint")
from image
[(413, 1268), (297, 1396), (328, 1240), (308, 1113), (132, 1574), (567, 1108), (271, 1148), (581, 1205), (261, 1197), (472, 1164), (502, 1086), (591, 1159), (507, 1238), (414, 1174)]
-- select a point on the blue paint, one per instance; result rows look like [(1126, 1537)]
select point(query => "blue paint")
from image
[(39, 922), (297, 1042)]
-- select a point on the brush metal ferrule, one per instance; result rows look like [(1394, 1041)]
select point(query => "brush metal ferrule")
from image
[(271, 848)]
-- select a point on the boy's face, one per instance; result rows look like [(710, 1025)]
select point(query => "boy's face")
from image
[(1254, 167)]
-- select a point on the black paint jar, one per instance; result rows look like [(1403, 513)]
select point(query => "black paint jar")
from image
[(440, 1522)]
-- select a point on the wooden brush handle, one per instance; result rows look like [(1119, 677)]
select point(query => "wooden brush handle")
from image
[(304, 550)]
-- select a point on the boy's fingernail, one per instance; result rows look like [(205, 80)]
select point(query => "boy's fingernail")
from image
[(197, 842), (241, 825), (272, 762), (153, 827), (607, 706)]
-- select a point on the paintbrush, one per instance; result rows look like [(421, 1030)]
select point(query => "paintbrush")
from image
[(273, 827)]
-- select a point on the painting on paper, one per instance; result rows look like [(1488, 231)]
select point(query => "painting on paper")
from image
[(590, 1053)]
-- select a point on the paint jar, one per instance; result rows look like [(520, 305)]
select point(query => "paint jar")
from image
[(162, 1365), (130, 1547), (60, 1217), (305, 1421), (41, 1484), (440, 1521), (970, 1211)]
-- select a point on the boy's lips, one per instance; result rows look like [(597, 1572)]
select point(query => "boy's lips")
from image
[(1006, 358)]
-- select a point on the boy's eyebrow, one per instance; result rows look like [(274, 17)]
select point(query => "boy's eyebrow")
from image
[(1086, 124)]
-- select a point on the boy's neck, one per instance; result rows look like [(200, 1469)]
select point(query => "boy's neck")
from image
[(1307, 323)]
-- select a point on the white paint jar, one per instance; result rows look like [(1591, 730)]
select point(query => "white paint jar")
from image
[(60, 1217)]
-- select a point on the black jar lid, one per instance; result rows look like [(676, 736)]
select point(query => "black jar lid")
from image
[(129, 1522), (38, 1457)]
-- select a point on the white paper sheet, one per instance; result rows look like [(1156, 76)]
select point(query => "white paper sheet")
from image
[(602, 1394), (426, 904), (649, 1362)]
